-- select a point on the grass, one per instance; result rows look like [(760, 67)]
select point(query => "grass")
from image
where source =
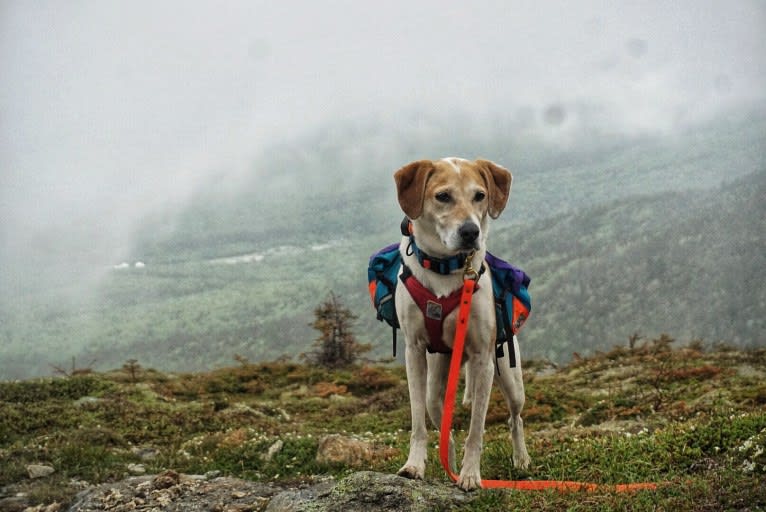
[(691, 419)]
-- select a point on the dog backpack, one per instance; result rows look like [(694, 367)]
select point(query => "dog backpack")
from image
[(509, 288), (382, 276), (512, 302)]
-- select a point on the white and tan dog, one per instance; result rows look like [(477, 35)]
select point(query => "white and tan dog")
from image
[(449, 203)]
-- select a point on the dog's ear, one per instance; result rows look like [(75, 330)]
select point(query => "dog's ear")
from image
[(411, 186), (499, 182)]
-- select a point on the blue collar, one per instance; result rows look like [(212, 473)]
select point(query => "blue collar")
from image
[(442, 266)]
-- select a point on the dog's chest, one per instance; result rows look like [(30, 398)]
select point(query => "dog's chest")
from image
[(435, 314)]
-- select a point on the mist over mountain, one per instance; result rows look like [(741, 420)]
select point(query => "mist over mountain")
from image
[(183, 182), (337, 180), (620, 235)]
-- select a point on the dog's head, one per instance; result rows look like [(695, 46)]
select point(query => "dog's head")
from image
[(449, 201)]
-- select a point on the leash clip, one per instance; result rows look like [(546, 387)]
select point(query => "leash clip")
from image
[(468, 271)]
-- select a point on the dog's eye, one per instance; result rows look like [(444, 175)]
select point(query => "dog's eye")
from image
[(479, 197), (443, 197)]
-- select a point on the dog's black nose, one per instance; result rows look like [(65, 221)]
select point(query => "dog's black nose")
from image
[(468, 232)]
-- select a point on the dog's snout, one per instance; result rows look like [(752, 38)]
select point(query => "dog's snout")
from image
[(468, 232)]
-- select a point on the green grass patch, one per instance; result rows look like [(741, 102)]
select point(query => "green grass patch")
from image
[(593, 421)]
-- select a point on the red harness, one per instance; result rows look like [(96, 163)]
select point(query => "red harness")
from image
[(435, 310)]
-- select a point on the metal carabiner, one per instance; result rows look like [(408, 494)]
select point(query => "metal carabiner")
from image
[(468, 271)]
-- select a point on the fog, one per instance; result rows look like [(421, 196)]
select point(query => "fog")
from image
[(109, 110)]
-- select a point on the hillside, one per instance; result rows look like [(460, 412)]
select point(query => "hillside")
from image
[(638, 265), (620, 235), (687, 262), (689, 418)]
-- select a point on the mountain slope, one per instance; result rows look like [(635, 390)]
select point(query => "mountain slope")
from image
[(687, 263), (619, 235)]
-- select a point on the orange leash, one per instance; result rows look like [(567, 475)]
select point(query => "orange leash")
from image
[(469, 284)]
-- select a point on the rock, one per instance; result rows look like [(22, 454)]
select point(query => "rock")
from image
[(367, 491), (52, 507), (371, 492), (39, 471), (14, 504), (337, 449), (166, 480), (145, 452), (174, 492), (303, 499), (273, 450), (136, 469)]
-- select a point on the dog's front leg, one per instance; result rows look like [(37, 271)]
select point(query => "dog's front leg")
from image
[(415, 362), (481, 376), (438, 373)]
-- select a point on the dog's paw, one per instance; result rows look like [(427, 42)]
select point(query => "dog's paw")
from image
[(521, 460), (412, 472), (469, 480)]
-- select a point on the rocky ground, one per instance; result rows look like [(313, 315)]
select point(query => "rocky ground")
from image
[(172, 492), (284, 436)]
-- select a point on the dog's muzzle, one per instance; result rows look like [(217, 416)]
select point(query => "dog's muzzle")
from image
[(469, 234)]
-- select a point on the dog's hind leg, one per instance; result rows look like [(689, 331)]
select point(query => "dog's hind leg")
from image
[(438, 371), (415, 362), (512, 385)]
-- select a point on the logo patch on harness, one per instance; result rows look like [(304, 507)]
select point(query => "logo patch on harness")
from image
[(433, 310)]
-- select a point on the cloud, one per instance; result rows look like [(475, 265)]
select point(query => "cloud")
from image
[(109, 110)]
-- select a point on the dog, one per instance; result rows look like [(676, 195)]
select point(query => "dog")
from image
[(449, 203)]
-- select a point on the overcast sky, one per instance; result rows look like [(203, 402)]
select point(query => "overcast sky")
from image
[(110, 108)]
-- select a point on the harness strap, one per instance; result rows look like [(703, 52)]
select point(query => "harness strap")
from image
[(435, 310), (393, 340), (449, 404)]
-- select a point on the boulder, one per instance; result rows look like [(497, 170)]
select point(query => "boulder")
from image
[(136, 469), (371, 492), (273, 450), (39, 470)]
